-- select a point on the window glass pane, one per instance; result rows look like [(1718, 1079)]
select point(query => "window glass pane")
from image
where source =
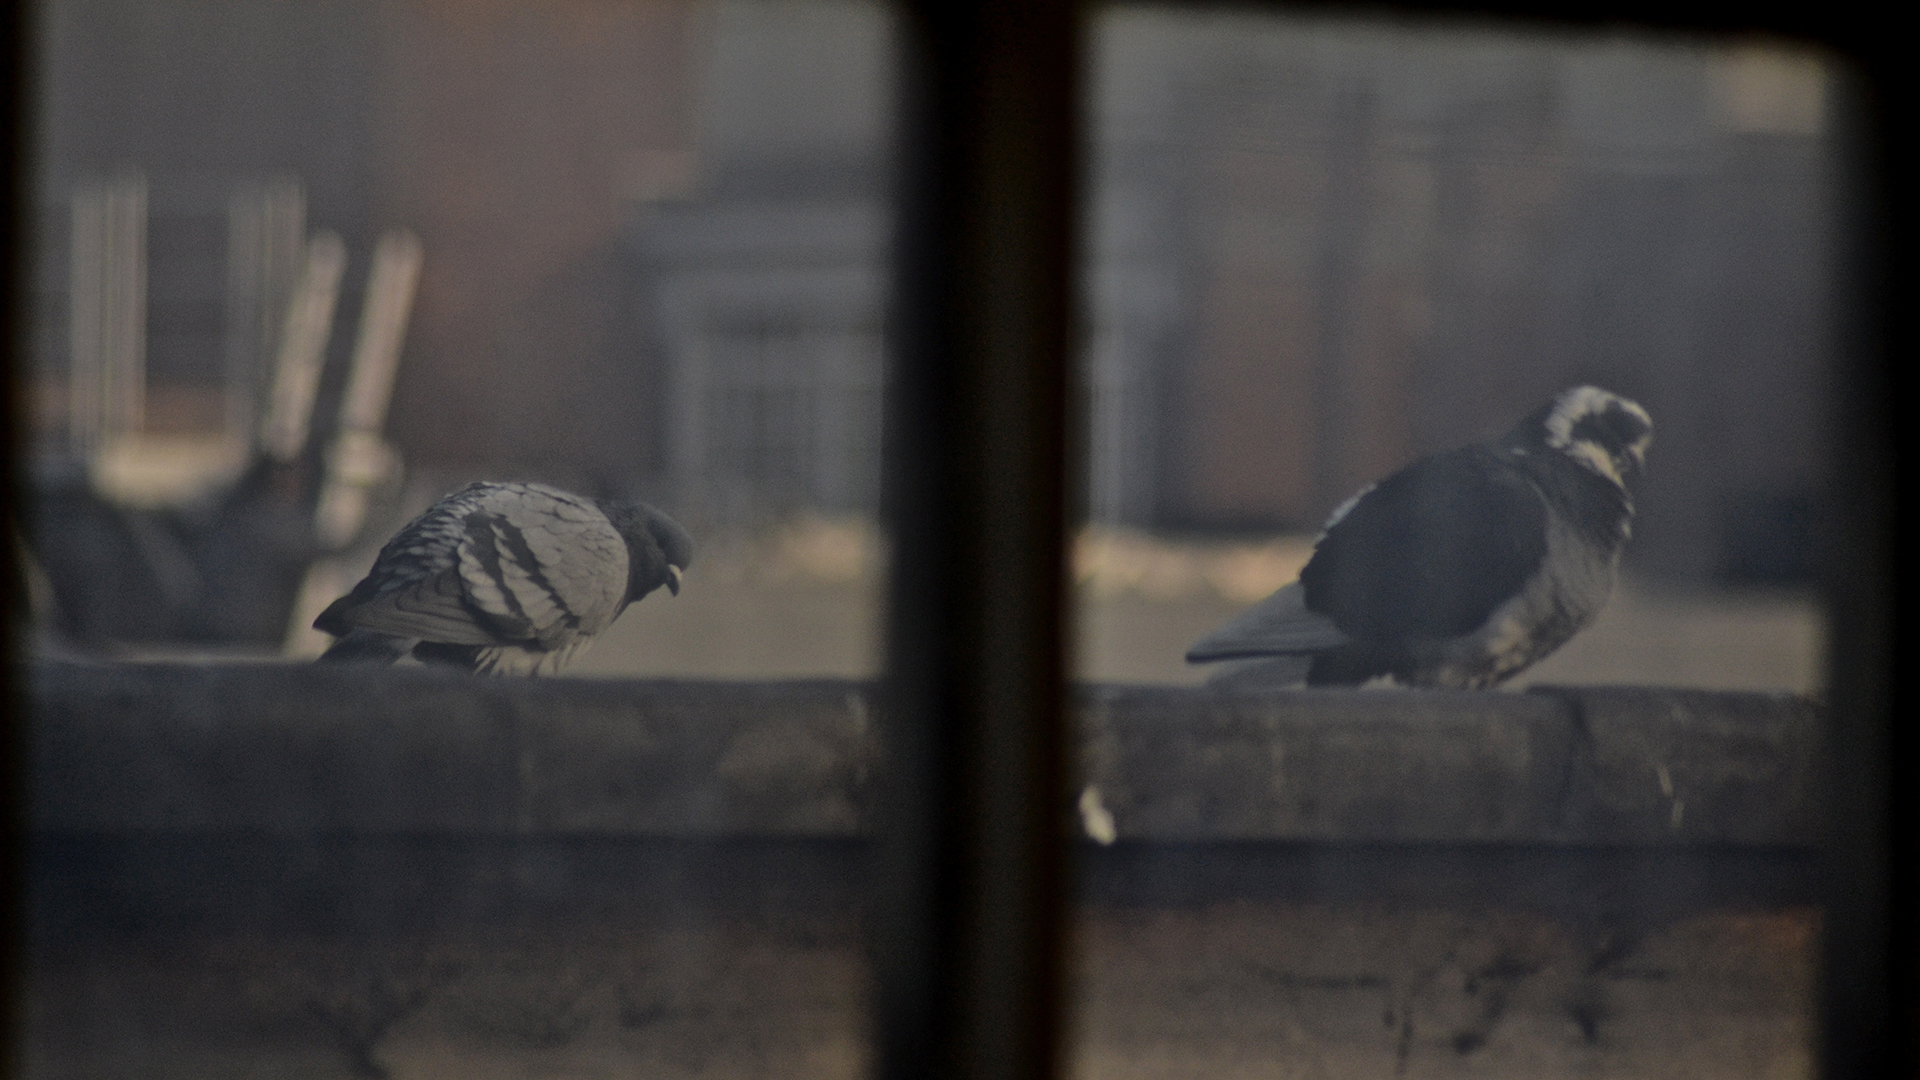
[(298, 273), (1317, 251)]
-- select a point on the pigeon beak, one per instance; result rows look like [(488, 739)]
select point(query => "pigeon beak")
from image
[(673, 579)]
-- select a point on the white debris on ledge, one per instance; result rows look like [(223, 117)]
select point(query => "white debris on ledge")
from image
[(1095, 818)]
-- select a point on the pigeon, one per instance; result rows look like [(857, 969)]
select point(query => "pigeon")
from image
[(1462, 569), (506, 579)]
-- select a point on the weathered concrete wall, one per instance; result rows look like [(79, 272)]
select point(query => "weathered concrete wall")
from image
[(1558, 766), (270, 748), (298, 748), (305, 871)]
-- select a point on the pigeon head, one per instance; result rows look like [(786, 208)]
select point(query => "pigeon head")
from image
[(659, 548), (1602, 431)]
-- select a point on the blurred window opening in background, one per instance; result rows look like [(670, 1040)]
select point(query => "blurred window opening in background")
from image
[(654, 254)]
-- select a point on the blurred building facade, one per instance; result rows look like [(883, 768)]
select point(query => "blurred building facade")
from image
[(1387, 241), (656, 240), (512, 138), (760, 287)]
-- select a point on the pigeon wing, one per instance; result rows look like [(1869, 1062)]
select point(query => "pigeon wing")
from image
[(542, 565), (493, 564), (432, 610), (1431, 551), (413, 589)]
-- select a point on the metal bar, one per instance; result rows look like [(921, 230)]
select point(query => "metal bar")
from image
[(1869, 960), (359, 459), (303, 349), (107, 312), (124, 355), (383, 325), (18, 69), (85, 304), (266, 240), (972, 871)]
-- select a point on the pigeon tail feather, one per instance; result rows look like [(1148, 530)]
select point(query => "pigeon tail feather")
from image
[(366, 647), (1278, 625)]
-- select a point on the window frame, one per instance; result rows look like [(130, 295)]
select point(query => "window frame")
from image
[(972, 883), (973, 879)]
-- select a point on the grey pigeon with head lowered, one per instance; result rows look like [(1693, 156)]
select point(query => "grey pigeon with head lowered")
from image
[(1462, 569), (506, 579)]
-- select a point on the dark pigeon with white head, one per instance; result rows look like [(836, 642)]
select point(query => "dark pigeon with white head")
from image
[(506, 579), (1462, 569)]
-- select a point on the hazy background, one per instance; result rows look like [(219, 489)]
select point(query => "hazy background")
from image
[(655, 259)]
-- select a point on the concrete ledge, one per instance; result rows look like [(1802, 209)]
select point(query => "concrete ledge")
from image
[(1691, 765), (1179, 764), (1556, 766), (303, 749)]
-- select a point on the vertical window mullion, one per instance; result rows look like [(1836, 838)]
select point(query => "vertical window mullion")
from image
[(972, 865)]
